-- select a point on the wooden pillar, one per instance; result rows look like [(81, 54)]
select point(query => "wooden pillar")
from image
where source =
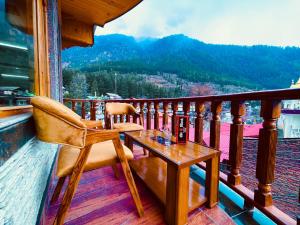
[(236, 142), (174, 110), (199, 108), (156, 115), (215, 125), (165, 114), (265, 164), (93, 108), (134, 116), (149, 116), (82, 110)]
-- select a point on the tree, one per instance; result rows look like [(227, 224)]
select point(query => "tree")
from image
[(78, 86)]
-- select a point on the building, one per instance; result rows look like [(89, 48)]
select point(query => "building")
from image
[(289, 122)]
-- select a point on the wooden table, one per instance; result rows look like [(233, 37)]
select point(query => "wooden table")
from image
[(167, 174)]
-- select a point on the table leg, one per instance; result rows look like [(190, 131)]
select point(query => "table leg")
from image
[(177, 195), (212, 181), (129, 142)]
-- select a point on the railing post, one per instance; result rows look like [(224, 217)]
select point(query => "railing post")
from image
[(199, 108), (134, 116), (265, 164), (142, 106), (156, 115), (236, 142), (165, 114), (93, 108), (186, 110), (73, 105), (215, 125), (174, 110), (82, 110), (149, 116)]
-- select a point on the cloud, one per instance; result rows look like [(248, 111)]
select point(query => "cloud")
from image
[(246, 22)]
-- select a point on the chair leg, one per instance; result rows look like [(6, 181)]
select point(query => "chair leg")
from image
[(145, 151), (57, 190), (116, 171), (72, 185), (128, 176)]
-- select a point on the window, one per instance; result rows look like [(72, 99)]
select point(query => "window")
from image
[(16, 52)]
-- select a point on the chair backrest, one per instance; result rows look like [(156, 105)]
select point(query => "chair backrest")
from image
[(56, 123), (116, 108)]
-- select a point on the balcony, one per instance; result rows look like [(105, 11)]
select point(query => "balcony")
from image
[(254, 187)]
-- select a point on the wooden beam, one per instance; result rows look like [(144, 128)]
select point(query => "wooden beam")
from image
[(76, 33)]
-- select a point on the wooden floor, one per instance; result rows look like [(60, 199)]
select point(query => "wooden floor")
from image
[(102, 199)]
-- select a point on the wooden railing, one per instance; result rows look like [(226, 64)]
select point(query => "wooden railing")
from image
[(265, 162)]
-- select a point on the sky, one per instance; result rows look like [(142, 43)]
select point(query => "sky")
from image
[(241, 22)]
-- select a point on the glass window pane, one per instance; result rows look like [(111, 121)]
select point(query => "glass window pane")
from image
[(16, 52)]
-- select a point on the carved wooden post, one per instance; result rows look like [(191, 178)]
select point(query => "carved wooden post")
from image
[(128, 117), (265, 164), (149, 116), (93, 108), (186, 110), (199, 108), (142, 106), (156, 115), (236, 142), (174, 110), (165, 114), (73, 106), (134, 116), (215, 124), (82, 110)]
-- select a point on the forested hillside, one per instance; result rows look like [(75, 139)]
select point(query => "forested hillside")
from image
[(255, 67)]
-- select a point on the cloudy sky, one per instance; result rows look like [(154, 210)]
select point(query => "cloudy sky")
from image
[(243, 22)]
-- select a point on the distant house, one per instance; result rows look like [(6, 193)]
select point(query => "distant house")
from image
[(113, 96)]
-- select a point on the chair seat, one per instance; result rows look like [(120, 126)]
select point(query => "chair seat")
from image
[(123, 127), (102, 154)]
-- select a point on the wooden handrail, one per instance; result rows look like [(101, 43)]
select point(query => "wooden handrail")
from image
[(270, 112)]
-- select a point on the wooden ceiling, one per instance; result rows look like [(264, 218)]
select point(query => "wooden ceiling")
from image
[(80, 16)]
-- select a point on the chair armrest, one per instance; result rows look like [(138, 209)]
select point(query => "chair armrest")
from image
[(93, 123), (95, 136)]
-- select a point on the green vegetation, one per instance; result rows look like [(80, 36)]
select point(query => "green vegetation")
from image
[(127, 85)]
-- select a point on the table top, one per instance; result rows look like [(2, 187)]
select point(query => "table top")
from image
[(181, 155)]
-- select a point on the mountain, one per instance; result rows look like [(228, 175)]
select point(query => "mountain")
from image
[(257, 67)]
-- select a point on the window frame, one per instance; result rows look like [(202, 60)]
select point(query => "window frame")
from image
[(41, 58)]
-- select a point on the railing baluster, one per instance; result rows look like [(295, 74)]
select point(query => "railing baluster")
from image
[(199, 108), (134, 116), (73, 105), (122, 118), (186, 110), (149, 116), (165, 114), (265, 164), (83, 110), (174, 111), (215, 125), (156, 115), (236, 142), (93, 108), (142, 107)]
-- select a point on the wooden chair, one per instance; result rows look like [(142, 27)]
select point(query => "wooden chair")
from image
[(85, 148), (112, 110)]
